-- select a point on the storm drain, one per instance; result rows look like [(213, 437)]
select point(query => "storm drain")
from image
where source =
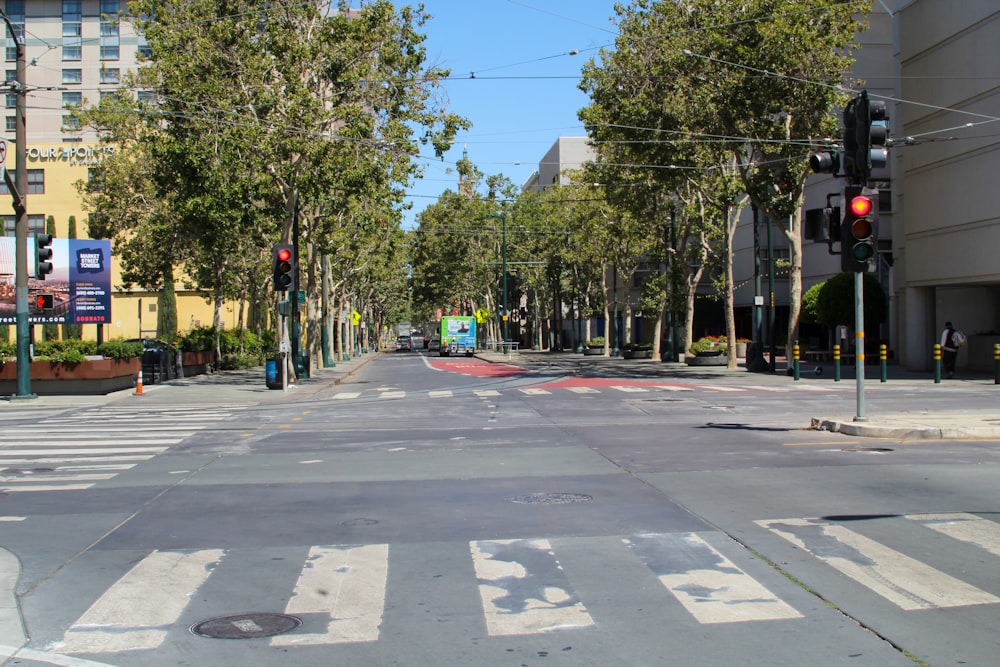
[(550, 498), (246, 626)]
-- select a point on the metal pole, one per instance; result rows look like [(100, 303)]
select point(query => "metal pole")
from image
[(859, 346), (770, 289), (19, 194), (503, 253)]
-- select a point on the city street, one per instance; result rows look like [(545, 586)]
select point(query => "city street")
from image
[(547, 511)]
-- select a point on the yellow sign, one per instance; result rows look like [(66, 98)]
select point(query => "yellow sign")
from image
[(482, 315), (355, 318)]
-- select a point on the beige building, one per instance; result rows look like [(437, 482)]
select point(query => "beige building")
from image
[(77, 51)]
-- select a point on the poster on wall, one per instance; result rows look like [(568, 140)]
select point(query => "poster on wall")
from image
[(78, 291)]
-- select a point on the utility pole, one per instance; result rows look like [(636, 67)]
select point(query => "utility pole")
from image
[(19, 193)]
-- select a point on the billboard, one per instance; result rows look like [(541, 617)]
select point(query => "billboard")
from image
[(80, 283)]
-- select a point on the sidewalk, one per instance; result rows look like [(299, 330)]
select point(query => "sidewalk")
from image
[(953, 425)]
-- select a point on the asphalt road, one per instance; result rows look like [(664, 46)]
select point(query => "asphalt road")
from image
[(433, 511)]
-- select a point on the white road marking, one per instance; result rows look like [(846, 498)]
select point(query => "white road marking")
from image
[(583, 390), (630, 389), (137, 611), (518, 600), (904, 581), (705, 582), (964, 527), (346, 583), (534, 391)]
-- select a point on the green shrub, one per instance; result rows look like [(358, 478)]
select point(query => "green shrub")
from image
[(201, 339), (708, 343), (57, 349), (120, 349), (236, 361), (597, 341)]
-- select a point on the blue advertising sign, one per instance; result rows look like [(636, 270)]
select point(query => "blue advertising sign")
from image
[(80, 283)]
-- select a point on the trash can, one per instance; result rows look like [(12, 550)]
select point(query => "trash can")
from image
[(271, 376)]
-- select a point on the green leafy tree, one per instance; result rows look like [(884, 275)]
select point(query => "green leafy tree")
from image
[(757, 78)]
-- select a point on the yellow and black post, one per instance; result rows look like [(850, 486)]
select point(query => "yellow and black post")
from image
[(836, 363), (996, 364), (795, 358), (883, 360), (937, 363)]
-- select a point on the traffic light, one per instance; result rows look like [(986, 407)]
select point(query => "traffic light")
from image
[(825, 162), (859, 231), (283, 266), (866, 134), (849, 158), (43, 253), (44, 302)]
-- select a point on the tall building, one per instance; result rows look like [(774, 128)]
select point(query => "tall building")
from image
[(76, 51)]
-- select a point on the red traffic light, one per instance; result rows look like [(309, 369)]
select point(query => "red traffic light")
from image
[(44, 301), (284, 254), (861, 206)]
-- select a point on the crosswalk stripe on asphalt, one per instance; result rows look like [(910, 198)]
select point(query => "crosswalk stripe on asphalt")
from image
[(524, 587)]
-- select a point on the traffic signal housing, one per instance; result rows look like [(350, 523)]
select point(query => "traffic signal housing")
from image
[(859, 230), (872, 127), (283, 266), (44, 302), (43, 255)]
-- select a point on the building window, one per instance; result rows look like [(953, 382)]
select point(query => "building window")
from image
[(11, 100), (72, 99), (109, 29), (36, 181), (72, 40), (111, 75), (36, 223), (147, 97), (15, 13), (11, 124), (70, 76), (71, 124)]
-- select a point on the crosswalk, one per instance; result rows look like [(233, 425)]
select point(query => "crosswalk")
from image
[(75, 451), (530, 586), (627, 390)]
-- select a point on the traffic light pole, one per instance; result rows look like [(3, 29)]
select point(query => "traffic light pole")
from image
[(859, 345), (18, 190)]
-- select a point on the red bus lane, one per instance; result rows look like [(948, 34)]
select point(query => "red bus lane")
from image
[(476, 368)]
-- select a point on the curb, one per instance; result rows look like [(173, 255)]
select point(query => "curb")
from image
[(917, 432), (11, 628)]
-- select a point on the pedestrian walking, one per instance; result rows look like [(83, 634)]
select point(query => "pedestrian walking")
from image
[(949, 347)]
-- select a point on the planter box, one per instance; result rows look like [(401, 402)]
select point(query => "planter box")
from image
[(594, 351), (100, 376), (637, 354), (197, 363), (702, 359)]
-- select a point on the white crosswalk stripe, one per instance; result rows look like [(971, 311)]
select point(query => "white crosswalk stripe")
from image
[(73, 452), (904, 581), (524, 586), (548, 391)]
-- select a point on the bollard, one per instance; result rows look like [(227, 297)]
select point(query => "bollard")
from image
[(996, 364), (883, 360), (836, 363), (138, 385), (937, 363), (795, 358)]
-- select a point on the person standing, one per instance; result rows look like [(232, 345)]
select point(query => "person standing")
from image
[(949, 351)]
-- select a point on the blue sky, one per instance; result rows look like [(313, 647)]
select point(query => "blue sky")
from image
[(524, 94)]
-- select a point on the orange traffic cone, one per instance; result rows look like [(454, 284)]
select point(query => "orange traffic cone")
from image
[(138, 385)]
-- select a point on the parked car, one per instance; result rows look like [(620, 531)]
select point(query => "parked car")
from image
[(434, 345), (403, 344)]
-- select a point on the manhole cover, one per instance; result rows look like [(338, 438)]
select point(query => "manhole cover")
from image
[(550, 498), (359, 522), (867, 449), (246, 626)]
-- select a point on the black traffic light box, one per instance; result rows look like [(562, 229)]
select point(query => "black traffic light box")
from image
[(43, 255), (283, 266), (859, 230), (44, 302)]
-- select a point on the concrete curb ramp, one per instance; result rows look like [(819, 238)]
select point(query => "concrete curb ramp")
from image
[(11, 630), (948, 428)]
